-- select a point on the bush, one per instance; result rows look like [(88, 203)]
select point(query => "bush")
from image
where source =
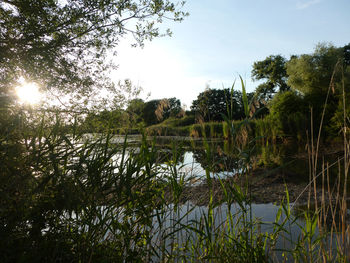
[(164, 130), (288, 111), (336, 123), (184, 121)]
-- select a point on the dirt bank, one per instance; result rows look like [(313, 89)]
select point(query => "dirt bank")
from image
[(265, 186)]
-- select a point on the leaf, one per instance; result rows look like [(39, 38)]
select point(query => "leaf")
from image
[(245, 99)]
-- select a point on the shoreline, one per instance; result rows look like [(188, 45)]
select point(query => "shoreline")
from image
[(264, 187)]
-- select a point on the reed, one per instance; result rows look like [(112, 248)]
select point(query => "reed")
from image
[(70, 197)]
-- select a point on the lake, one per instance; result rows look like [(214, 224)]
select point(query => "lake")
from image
[(204, 191)]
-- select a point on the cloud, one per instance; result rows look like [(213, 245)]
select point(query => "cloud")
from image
[(304, 5)]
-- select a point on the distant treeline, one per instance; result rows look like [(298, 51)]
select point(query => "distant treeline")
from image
[(293, 93)]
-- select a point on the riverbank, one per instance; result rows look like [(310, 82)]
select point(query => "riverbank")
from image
[(264, 186)]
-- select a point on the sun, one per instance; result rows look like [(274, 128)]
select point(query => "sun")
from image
[(28, 93)]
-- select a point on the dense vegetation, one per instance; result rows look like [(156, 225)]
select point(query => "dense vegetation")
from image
[(69, 196), (293, 94)]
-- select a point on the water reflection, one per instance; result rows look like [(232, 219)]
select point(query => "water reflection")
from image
[(221, 157), (195, 162), (261, 221)]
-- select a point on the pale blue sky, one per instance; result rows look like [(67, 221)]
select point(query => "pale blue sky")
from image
[(223, 38)]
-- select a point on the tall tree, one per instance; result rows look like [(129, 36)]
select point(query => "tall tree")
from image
[(312, 73), (273, 70), (63, 45), (318, 74)]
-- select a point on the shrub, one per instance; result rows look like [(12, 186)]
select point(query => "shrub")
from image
[(286, 110)]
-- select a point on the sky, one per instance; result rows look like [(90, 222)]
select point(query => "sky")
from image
[(221, 40)]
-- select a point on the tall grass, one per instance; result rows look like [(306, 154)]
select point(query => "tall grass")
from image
[(66, 198), (327, 206)]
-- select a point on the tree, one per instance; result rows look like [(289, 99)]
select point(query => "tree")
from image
[(211, 104), (285, 104), (135, 110), (312, 73), (168, 108), (148, 114), (314, 77), (46, 176), (273, 70), (346, 52), (105, 120), (289, 113), (156, 111), (64, 45)]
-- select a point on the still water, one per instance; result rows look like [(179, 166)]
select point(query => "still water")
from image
[(221, 159)]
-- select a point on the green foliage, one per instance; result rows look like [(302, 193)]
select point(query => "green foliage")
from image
[(105, 120), (225, 130), (267, 129), (314, 77), (68, 197), (171, 108), (73, 198), (289, 110), (286, 103), (312, 73), (337, 125), (155, 111), (65, 198), (211, 104), (137, 114), (149, 112), (273, 70), (176, 122), (318, 74), (63, 45), (135, 110), (245, 99), (205, 130), (165, 130)]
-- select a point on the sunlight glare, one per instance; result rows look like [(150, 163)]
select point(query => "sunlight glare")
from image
[(28, 93)]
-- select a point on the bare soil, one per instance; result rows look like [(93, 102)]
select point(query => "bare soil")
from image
[(264, 186)]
